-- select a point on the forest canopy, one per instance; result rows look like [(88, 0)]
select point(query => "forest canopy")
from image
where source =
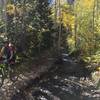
[(38, 25)]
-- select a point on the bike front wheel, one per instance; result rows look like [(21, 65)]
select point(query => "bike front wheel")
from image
[(1, 79), (13, 75)]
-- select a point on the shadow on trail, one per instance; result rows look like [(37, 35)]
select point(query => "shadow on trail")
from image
[(61, 82)]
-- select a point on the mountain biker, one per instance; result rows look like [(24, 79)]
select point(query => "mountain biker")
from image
[(5, 52)]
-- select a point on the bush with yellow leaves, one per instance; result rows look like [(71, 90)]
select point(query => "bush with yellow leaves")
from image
[(10, 9)]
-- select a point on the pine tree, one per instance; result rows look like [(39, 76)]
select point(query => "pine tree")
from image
[(44, 13)]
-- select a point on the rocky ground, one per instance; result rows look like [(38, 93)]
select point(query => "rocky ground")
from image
[(44, 80), (26, 76)]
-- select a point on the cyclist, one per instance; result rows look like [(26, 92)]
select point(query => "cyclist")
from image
[(5, 52)]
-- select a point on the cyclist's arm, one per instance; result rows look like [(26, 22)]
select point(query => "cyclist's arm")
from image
[(2, 51)]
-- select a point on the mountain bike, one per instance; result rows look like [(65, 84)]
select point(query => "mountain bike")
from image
[(2, 74), (6, 71)]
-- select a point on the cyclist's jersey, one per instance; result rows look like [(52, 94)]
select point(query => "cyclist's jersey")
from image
[(7, 53), (12, 50)]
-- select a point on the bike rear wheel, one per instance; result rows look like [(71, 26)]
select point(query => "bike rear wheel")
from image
[(13, 75)]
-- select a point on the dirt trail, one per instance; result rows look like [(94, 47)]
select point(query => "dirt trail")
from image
[(9, 88)]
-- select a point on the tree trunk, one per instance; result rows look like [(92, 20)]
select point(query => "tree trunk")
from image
[(94, 42), (60, 27), (75, 24)]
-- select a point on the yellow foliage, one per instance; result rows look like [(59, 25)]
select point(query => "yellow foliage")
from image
[(10, 9), (84, 5), (67, 19), (98, 68), (88, 3), (71, 41)]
